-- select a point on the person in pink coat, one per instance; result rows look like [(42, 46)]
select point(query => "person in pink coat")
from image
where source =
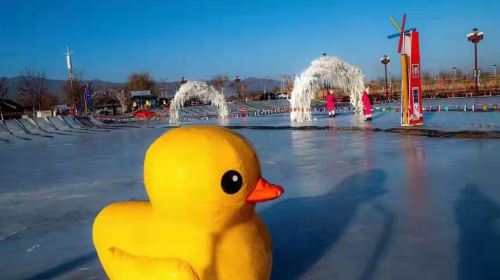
[(330, 104), (367, 106)]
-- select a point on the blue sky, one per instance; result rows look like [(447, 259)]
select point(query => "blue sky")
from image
[(199, 39)]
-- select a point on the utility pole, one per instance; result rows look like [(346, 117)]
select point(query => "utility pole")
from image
[(237, 81), (69, 65)]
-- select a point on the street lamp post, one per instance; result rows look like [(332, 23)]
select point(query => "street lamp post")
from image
[(495, 70), (183, 81), (454, 70), (385, 60), (237, 81), (475, 37), (85, 105)]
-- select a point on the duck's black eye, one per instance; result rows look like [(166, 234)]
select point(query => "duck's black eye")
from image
[(231, 182)]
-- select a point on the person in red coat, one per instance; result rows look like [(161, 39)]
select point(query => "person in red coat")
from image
[(330, 104), (367, 106)]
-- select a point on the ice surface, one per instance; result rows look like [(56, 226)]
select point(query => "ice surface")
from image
[(455, 101), (448, 121), (357, 205)]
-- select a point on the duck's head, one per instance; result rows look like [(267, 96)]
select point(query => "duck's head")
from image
[(205, 174)]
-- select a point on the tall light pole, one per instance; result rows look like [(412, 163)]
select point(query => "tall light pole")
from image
[(237, 81), (385, 60), (495, 70), (183, 80), (454, 72), (475, 37)]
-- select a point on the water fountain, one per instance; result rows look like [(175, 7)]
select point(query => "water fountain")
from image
[(326, 71), (201, 90)]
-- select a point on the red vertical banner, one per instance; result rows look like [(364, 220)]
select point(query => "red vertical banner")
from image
[(416, 116)]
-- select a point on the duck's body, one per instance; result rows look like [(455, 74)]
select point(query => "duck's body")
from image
[(242, 251), (190, 231)]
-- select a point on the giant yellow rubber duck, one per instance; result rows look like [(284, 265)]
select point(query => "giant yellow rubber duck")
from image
[(200, 223)]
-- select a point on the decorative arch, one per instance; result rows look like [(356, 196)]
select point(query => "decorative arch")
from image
[(325, 71), (201, 90)]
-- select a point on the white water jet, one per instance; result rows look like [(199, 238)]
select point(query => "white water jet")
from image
[(204, 92), (326, 71)]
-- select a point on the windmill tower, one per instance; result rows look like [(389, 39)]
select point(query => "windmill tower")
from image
[(411, 83)]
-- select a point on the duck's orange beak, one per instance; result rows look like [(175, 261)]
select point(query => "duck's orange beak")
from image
[(264, 191)]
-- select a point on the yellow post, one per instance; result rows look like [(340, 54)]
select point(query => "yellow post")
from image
[(404, 88)]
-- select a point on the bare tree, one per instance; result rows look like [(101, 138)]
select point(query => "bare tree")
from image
[(123, 97), (444, 75), (218, 81), (111, 96), (103, 97), (459, 73), (268, 83), (3, 88), (33, 90), (141, 81), (426, 76), (288, 84), (162, 88), (73, 90)]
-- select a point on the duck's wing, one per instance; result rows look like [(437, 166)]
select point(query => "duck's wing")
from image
[(147, 268)]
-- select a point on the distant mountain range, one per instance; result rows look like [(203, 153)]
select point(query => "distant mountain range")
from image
[(56, 86)]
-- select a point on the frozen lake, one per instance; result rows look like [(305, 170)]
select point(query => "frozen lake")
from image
[(357, 204), (446, 121)]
